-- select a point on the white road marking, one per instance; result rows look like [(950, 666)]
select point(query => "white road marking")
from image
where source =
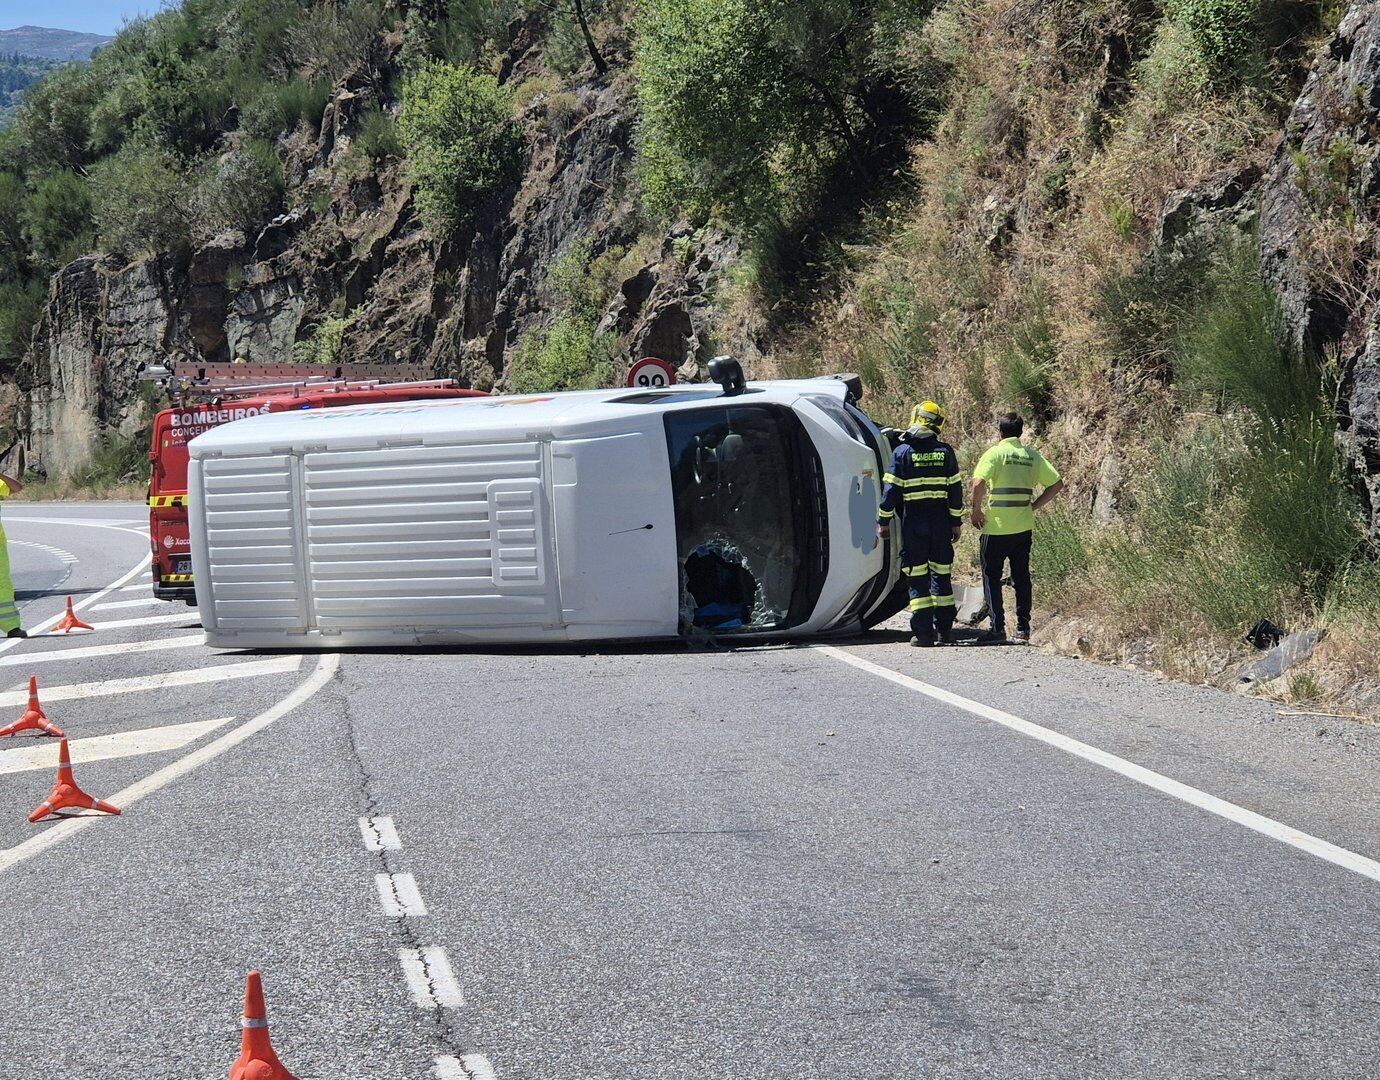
[(429, 977), (1275, 830), (185, 617), (10, 643), (379, 834), (143, 601), (83, 652), (399, 895), (55, 834), (152, 740), (246, 670), (145, 584), (469, 1067)]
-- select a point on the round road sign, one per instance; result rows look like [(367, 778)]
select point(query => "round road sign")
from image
[(651, 372)]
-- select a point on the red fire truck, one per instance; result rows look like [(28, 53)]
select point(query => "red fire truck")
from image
[(221, 393)]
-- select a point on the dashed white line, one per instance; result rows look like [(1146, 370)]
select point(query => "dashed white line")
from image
[(399, 896), (379, 834), (469, 1067), (245, 670), (430, 977), (143, 601), (83, 652), (152, 740), (55, 834), (1211, 803)]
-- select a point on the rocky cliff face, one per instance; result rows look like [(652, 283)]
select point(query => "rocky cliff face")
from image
[(352, 249), (1320, 228)]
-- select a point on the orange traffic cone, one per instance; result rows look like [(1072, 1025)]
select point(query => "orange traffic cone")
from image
[(257, 1061), (65, 794), (69, 621), (33, 718)]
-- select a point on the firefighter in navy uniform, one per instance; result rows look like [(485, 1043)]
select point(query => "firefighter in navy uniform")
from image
[(923, 485)]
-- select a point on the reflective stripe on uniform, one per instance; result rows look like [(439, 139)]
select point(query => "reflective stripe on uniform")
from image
[(941, 568), (921, 603), (957, 478), (957, 513), (946, 600), (917, 570), (885, 515), (916, 496), (915, 481)]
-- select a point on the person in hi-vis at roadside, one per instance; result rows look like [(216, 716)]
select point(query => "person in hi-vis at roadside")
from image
[(9, 611), (1004, 505)]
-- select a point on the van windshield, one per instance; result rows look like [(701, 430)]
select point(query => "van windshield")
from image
[(751, 522)]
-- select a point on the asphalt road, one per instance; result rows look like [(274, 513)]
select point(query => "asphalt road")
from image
[(657, 862)]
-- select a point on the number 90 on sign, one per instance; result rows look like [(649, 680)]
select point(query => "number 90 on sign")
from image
[(651, 373)]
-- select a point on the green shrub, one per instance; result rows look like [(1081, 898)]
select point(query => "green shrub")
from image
[(1225, 32), (13, 200), (140, 201), (569, 355), (57, 219), (241, 190), (21, 303), (462, 141), (378, 137), (1026, 365), (323, 342), (1060, 545), (276, 109)]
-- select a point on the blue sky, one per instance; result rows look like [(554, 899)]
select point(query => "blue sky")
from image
[(90, 16)]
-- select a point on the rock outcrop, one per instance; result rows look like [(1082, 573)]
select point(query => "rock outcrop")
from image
[(1320, 227), (352, 250)]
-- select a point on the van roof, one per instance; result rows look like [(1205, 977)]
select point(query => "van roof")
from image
[(523, 414)]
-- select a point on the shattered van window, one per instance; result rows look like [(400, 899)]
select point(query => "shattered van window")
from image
[(739, 527)]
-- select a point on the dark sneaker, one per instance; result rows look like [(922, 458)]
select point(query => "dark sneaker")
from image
[(946, 637), (922, 642), (17, 632), (1021, 636)]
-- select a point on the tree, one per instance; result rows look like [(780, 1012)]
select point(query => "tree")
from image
[(140, 201), (748, 103), (462, 141), (57, 220)]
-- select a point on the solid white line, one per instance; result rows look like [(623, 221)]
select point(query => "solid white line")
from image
[(470, 1067), (399, 895), (245, 670), (429, 977), (55, 834), (188, 616), (143, 601), (148, 584), (122, 744), (379, 834), (83, 652), (1211, 803)]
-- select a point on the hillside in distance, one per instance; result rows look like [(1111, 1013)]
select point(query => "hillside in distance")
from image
[(50, 44)]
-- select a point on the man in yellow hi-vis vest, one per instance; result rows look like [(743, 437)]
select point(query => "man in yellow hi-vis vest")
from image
[(1004, 505), (9, 612)]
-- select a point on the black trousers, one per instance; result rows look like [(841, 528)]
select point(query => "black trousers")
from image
[(996, 552)]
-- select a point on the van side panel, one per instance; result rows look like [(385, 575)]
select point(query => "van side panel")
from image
[(429, 537)]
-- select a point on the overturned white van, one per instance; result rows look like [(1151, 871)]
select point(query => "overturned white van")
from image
[(610, 514)]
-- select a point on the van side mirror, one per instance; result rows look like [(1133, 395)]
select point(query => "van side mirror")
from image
[(728, 373)]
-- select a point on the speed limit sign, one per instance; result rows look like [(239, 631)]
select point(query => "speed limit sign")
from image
[(651, 372)]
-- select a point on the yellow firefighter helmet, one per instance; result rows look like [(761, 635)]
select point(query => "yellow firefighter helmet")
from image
[(928, 415)]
